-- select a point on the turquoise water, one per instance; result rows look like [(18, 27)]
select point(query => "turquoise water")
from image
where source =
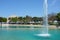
[(27, 34)]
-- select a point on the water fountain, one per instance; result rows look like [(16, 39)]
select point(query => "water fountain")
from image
[(7, 23), (45, 21)]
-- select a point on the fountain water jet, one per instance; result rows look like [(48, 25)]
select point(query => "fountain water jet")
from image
[(7, 23), (45, 21)]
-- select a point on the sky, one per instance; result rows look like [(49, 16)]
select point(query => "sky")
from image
[(27, 7)]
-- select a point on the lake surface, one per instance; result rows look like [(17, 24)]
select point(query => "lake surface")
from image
[(27, 34)]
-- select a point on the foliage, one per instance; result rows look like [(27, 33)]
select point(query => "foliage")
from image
[(14, 19), (0, 19), (58, 18), (52, 17), (26, 19), (35, 19), (3, 19)]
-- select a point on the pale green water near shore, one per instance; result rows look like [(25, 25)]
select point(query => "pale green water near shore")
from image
[(27, 34)]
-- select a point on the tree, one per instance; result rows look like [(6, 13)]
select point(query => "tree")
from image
[(4, 19), (0, 19), (40, 18), (35, 19), (20, 19), (28, 18), (52, 17), (14, 19), (58, 18)]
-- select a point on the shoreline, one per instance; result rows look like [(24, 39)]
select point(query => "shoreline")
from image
[(37, 26)]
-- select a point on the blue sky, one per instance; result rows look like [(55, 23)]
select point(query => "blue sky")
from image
[(27, 7)]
